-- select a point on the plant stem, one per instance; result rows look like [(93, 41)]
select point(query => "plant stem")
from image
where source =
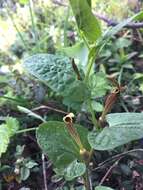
[(123, 105), (44, 171), (94, 53), (88, 70), (87, 182), (94, 120), (84, 39), (26, 130), (120, 75), (32, 20), (65, 27), (90, 64)]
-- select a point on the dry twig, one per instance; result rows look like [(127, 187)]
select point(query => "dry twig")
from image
[(116, 157), (109, 171), (44, 172), (49, 108)]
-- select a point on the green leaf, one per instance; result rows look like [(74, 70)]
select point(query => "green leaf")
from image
[(123, 128), (6, 131), (102, 188), (56, 142), (31, 164), (11, 125), (98, 84), (85, 19), (141, 87), (72, 104), (30, 113), (24, 173), (75, 169), (76, 94), (121, 119), (138, 76), (4, 139), (97, 106), (54, 70), (122, 43), (78, 51)]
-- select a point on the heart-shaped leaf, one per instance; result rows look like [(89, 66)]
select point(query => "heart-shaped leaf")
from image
[(55, 141), (123, 128), (85, 19), (54, 70), (57, 72)]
